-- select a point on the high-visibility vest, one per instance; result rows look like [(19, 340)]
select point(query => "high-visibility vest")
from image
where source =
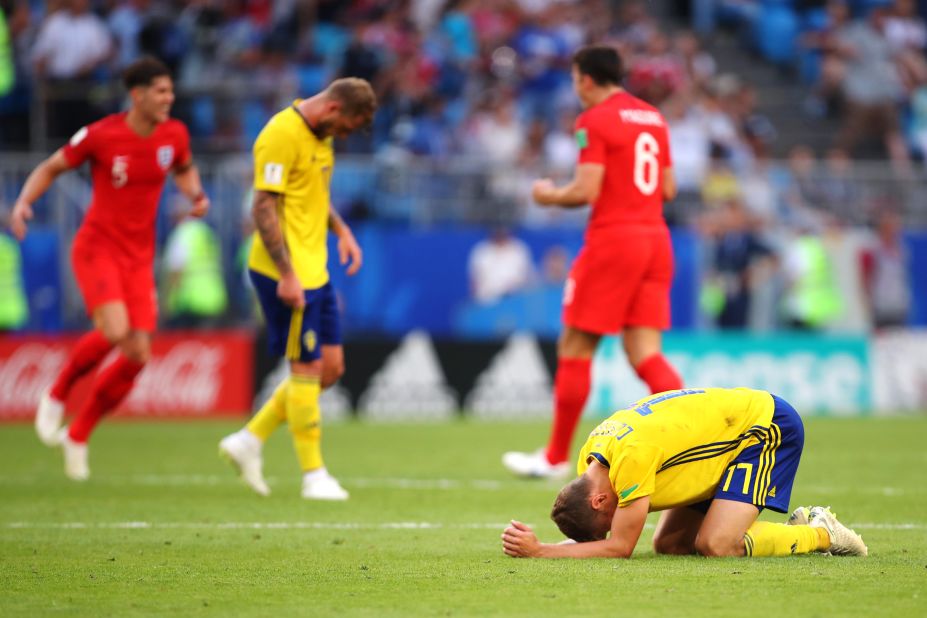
[(7, 68), (201, 289), (14, 310), (815, 298)]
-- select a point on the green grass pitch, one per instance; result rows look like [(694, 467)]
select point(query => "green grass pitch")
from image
[(164, 528)]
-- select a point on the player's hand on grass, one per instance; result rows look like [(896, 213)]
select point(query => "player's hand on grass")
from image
[(200, 206), (519, 541), (290, 290), (349, 252), (22, 212), (542, 190)]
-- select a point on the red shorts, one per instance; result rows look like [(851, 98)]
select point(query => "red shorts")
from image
[(102, 278), (622, 279)]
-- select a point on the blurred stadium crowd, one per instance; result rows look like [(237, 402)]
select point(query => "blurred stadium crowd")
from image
[(476, 102)]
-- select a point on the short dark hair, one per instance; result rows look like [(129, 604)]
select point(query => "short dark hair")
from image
[(144, 71), (600, 62), (573, 513)]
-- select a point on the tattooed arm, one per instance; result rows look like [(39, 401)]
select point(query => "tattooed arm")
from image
[(264, 212)]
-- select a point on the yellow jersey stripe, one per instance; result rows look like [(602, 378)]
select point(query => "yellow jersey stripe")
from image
[(292, 342)]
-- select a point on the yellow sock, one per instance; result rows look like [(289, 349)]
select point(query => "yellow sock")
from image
[(304, 419), (271, 414), (768, 539)]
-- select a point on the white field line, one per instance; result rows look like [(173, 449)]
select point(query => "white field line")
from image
[(179, 480), (315, 525)]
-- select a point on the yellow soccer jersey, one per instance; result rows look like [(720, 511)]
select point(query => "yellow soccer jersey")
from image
[(290, 160), (675, 446)]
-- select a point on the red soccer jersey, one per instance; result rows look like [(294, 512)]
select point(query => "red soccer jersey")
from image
[(630, 138), (128, 173)]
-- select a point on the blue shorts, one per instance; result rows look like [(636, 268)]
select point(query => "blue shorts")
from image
[(299, 334), (763, 474)]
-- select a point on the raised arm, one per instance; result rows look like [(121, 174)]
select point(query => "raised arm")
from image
[(264, 213), (519, 541), (349, 252), (583, 189), (35, 187)]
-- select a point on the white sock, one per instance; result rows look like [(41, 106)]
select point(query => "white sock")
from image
[(251, 440), (314, 475)]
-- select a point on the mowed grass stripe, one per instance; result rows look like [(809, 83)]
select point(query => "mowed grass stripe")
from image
[(411, 484), (322, 525)]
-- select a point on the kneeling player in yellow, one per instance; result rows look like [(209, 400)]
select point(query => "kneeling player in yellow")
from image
[(711, 459), (288, 265)]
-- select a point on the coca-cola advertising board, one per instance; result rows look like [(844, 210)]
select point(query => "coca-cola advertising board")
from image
[(190, 374)]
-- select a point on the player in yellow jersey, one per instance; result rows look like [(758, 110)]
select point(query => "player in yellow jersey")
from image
[(288, 264), (711, 459)]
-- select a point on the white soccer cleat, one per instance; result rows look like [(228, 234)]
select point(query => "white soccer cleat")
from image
[(243, 451), (843, 541), (48, 418), (534, 465), (320, 485), (800, 516), (76, 467)]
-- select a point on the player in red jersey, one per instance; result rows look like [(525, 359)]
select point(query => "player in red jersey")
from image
[(620, 282), (130, 156)]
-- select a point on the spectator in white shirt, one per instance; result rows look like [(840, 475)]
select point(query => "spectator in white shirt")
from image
[(498, 266), (71, 45)]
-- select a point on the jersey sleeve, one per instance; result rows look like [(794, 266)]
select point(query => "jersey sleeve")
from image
[(589, 140), (81, 146), (274, 157), (634, 472)]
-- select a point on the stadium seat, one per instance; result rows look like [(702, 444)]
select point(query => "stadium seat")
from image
[(776, 31), (312, 78), (253, 120)]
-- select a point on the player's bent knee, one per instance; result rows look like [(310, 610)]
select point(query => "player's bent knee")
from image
[(115, 331), (718, 546), (137, 348)]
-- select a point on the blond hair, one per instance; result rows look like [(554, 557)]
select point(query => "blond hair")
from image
[(355, 95)]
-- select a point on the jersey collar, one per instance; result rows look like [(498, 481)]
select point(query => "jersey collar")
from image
[(303, 118)]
